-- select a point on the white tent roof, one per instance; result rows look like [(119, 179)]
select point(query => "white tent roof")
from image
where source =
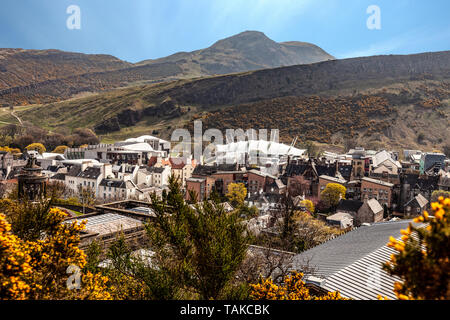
[(262, 146), (80, 161), (142, 146), (144, 138)]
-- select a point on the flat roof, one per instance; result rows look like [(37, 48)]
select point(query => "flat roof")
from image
[(387, 184), (333, 179), (107, 223)]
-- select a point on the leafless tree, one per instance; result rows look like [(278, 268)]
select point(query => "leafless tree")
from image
[(86, 195), (265, 262)]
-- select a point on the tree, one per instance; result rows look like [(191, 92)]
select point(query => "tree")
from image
[(84, 136), (200, 248), (33, 268), (308, 204), (10, 150), (439, 193), (86, 195), (293, 288), (135, 277), (420, 137), (422, 260), (57, 189), (28, 220), (287, 224), (236, 194), (248, 212), (332, 194), (39, 147), (60, 149), (311, 149), (349, 143), (311, 232)]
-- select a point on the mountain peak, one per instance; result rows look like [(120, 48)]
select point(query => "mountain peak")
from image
[(243, 39)]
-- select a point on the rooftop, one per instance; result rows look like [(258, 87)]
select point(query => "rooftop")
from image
[(109, 223), (386, 184), (347, 263), (349, 205), (332, 179)]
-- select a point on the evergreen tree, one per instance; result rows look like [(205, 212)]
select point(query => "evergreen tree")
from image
[(199, 247)]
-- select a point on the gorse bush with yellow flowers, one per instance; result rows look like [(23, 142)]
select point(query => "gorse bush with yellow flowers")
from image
[(422, 259), (293, 288), (37, 269)]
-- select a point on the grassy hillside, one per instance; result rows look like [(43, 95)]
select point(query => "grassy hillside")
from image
[(389, 100)]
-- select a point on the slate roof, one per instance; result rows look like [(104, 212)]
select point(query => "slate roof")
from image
[(352, 263), (54, 168), (74, 171), (346, 171), (295, 169), (59, 176), (419, 199), (114, 183), (90, 173), (349, 205), (155, 169), (429, 183), (202, 170), (326, 170)]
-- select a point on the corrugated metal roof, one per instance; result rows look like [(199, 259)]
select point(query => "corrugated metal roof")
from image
[(352, 263), (364, 279), (336, 254)]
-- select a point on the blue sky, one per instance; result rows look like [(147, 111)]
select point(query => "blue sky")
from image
[(135, 30)]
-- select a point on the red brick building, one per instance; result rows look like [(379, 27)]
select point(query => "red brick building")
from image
[(377, 189), (197, 185)]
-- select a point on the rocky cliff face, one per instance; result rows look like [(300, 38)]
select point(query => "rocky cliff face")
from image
[(330, 77)]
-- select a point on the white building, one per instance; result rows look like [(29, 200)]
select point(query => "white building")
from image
[(154, 176), (87, 175), (383, 162), (116, 189), (256, 152)]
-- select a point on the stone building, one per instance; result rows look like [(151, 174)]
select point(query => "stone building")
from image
[(369, 211)]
